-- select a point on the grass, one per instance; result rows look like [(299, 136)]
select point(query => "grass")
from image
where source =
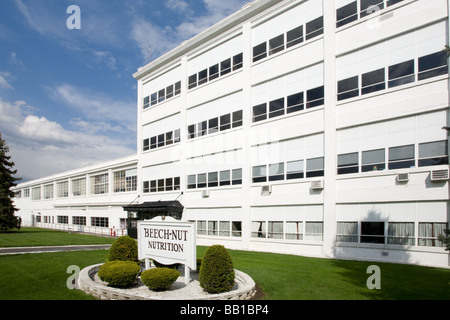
[(282, 277), (34, 237)]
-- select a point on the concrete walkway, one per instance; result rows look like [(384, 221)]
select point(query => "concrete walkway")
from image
[(24, 250)]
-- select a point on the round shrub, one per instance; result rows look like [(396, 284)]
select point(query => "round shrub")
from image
[(119, 273), (123, 249), (216, 271), (159, 279)]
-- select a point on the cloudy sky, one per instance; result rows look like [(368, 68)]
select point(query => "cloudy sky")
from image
[(67, 96)]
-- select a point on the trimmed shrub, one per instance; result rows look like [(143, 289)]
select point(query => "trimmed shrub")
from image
[(159, 279), (216, 271), (123, 249), (119, 273)]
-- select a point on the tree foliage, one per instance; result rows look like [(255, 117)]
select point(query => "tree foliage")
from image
[(8, 220)]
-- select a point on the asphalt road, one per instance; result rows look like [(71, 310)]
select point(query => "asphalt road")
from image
[(24, 250)]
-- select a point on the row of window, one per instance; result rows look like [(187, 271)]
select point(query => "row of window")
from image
[(359, 9), (81, 221), (430, 154), (219, 228), (293, 37), (162, 140), (161, 185), (289, 230), (398, 233), (216, 71), (162, 95), (124, 181), (215, 179), (222, 123), (293, 103), (429, 66)]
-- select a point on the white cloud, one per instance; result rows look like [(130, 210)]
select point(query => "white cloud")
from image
[(4, 83), (40, 147)]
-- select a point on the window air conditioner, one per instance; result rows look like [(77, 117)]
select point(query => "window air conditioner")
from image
[(205, 193), (317, 185), (266, 190), (439, 175), (403, 177)]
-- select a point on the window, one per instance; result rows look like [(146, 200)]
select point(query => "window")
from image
[(401, 73), (62, 189), (401, 233), (191, 131), (295, 102), (276, 171), (48, 191), (169, 138), (79, 187), (259, 52), (203, 77), (154, 99), (259, 174), (370, 6), (236, 176), (99, 222), (346, 14), (276, 108), (294, 170), (314, 231), (225, 178), (314, 28), (315, 97), (315, 167), (429, 233), (201, 180), (294, 36), (62, 219), (224, 228), (213, 228), (80, 221), (161, 95), (275, 229), (192, 81), (213, 72), (236, 228), (433, 153), (146, 145), (348, 88), (213, 125), (169, 92), (401, 157), (294, 230), (276, 44), (373, 81), (225, 67), (202, 128), (392, 2), (169, 184), (258, 229), (146, 186), (260, 112), (372, 232), (146, 102), (153, 142), (348, 163), (347, 232), (213, 179), (192, 181), (373, 160), (237, 61), (153, 186), (36, 193), (176, 183), (433, 65), (26, 193), (178, 88), (225, 122), (99, 184), (237, 119)]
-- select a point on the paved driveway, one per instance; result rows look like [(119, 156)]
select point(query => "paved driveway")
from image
[(23, 250)]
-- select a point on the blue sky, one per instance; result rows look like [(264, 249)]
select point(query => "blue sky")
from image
[(67, 97)]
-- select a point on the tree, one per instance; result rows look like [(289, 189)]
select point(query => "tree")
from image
[(445, 239), (8, 220)]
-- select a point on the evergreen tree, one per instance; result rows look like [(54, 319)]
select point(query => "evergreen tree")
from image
[(445, 239), (8, 220)]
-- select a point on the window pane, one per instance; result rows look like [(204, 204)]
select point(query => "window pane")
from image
[(276, 44), (294, 230), (201, 180), (348, 163), (260, 112), (259, 174), (224, 228), (370, 6), (237, 119), (178, 88), (236, 228), (314, 28), (169, 184), (225, 178), (169, 92), (169, 138), (314, 231), (225, 122), (191, 181), (294, 169), (213, 179), (348, 88), (258, 229), (191, 131), (213, 125), (401, 74), (347, 232), (433, 65), (276, 171), (193, 81), (203, 77), (161, 95), (295, 102), (276, 108), (373, 160), (213, 72), (401, 153), (295, 36), (275, 229), (433, 153), (372, 232), (202, 128), (225, 67), (401, 233), (160, 185), (346, 14), (373, 81), (236, 176), (314, 167), (154, 99), (315, 97), (259, 52), (237, 61)]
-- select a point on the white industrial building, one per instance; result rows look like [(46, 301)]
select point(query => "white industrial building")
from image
[(315, 128)]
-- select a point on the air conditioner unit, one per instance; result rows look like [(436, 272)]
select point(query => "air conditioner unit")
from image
[(317, 185), (439, 175), (403, 177), (266, 190), (205, 193)]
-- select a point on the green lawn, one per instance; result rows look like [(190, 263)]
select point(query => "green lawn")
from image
[(282, 277), (34, 237)]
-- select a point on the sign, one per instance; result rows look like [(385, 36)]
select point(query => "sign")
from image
[(168, 242)]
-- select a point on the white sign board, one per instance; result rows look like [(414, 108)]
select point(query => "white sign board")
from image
[(168, 242)]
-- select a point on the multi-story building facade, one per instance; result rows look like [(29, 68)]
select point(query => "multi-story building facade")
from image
[(312, 127)]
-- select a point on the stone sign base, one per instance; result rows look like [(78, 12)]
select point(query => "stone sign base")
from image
[(88, 281)]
